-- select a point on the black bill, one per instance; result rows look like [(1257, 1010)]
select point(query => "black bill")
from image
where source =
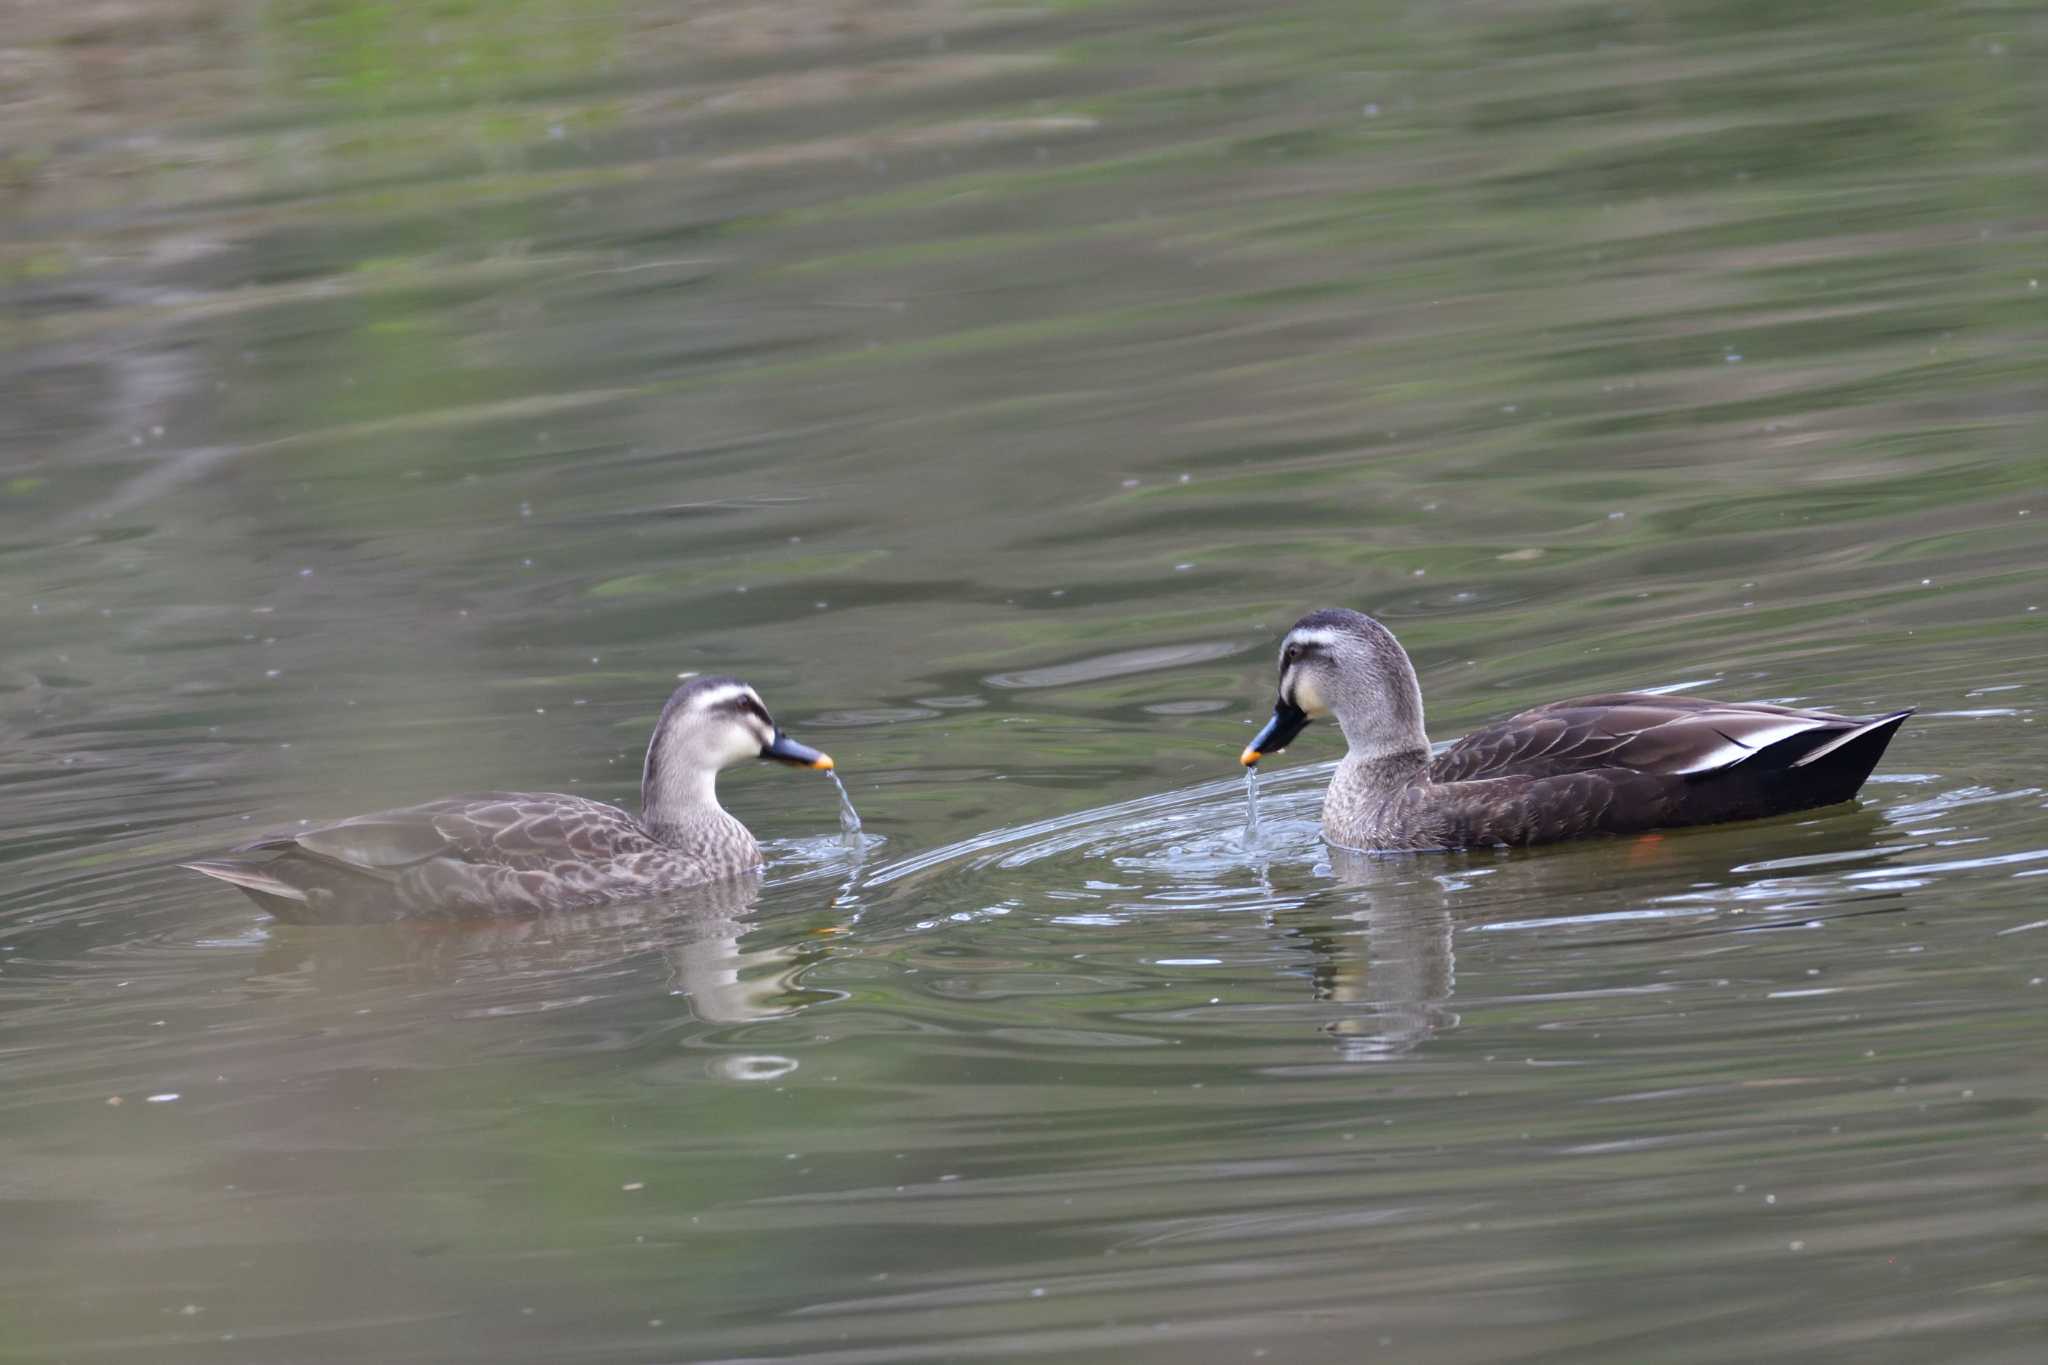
[(1288, 721), (787, 750)]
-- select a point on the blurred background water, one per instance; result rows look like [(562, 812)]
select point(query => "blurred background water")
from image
[(398, 396)]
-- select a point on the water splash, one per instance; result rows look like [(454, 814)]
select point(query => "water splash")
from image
[(1251, 803), (849, 819)]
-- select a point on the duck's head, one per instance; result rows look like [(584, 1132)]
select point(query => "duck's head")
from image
[(1344, 664), (713, 723)]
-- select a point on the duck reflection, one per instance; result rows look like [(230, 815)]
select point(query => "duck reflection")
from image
[(1400, 971), (698, 939), (706, 944), (1384, 941)]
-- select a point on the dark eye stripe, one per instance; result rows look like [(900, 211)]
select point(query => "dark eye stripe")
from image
[(749, 707)]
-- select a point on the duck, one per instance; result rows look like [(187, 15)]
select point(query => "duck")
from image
[(1617, 763), (524, 853)]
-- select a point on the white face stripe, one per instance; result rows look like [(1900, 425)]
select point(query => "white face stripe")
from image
[(724, 696), (1317, 636)]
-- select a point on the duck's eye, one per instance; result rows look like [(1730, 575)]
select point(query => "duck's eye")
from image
[(1288, 656)]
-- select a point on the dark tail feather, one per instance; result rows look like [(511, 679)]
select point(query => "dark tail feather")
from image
[(1869, 738), (1844, 762), (280, 898)]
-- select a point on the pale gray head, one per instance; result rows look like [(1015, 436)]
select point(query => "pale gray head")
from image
[(1344, 664), (708, 724)]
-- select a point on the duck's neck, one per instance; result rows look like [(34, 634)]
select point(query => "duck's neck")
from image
[(1384, 730), (1384, 771), (679, 802), (1387, 754), (1360, 808)]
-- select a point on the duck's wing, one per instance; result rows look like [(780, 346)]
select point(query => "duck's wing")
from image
[(1656, 736), (1626, 763), (518, 830), (465, 855)]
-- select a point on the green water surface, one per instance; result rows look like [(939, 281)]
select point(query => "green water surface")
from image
[(398, 397)]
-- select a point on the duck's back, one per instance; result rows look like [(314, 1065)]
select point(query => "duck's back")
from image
[(487, 853), (1627, 762)]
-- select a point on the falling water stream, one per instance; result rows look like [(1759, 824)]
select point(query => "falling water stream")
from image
[(1251, 803), (849, 819)]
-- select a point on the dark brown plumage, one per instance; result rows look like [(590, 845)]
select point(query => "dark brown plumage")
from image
[(1619, 763)]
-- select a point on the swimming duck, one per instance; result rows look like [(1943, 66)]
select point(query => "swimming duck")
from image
[(1619, 763), (497, 853)]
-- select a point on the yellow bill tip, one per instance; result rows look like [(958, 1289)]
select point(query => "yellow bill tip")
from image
[(823, 763), (1249, 757)]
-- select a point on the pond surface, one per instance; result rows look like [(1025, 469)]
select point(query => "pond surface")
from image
[(400, 397)]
